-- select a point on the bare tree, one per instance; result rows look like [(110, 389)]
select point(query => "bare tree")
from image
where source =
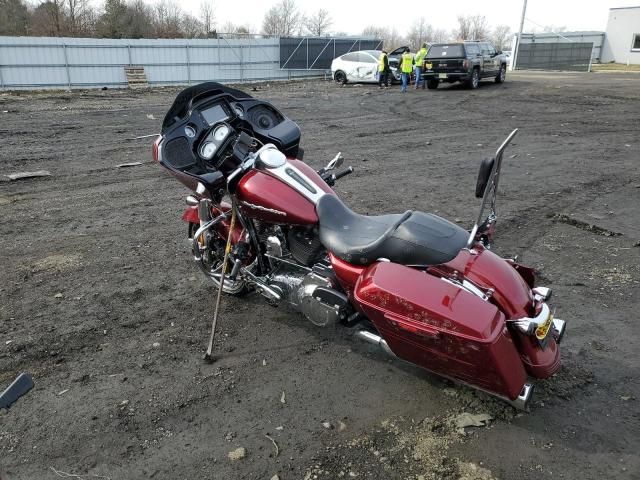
[(13, 17), (207, 11), (282, 19), (139, 20), (318, 23), (391, 38), (420, 32), (479, 27), (471, 27), (501, 37), (231, 30), (167, 19), (463, 32), (440, 36)]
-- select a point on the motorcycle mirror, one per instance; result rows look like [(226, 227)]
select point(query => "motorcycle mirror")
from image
[(17, 389)]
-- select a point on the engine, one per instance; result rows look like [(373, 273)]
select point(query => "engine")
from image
[(302, 279)]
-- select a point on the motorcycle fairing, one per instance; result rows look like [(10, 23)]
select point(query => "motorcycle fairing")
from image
[(441, 327)]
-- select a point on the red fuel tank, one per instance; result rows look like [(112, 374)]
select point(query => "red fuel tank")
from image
[(264, 196)]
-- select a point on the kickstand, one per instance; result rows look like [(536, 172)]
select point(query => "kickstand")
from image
[(208, 356)]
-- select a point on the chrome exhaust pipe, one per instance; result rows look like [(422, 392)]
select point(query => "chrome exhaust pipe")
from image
[(374, 339)]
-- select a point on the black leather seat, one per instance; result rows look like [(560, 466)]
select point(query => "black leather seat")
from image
[(413, 238)]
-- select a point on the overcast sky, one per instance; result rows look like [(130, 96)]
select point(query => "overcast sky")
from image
[(352, 16)]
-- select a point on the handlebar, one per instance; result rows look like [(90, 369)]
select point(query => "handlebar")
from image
[(331, 179)]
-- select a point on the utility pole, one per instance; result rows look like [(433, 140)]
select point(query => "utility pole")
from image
[(515, 55)]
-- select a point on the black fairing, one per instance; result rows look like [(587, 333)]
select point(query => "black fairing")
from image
[(412, 238), (259, 118)]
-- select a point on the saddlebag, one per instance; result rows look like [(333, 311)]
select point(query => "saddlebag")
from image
[(441, 327)]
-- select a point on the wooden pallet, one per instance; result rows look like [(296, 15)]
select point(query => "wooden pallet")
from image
[(136, 77)]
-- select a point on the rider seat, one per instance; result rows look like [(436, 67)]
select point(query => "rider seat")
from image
[(412, 238)]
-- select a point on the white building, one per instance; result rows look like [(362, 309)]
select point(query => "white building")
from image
[(622, 40)]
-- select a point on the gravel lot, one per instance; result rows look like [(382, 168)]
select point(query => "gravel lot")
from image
[(100, 301)]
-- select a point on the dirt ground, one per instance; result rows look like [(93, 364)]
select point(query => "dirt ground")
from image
[(101, 302)]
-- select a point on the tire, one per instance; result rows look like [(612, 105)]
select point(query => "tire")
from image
[(432, 83), (502, 74), (340, 77), (474, 81)]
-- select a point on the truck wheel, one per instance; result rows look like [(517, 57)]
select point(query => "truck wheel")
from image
[(340, 77), (502, 74), (432, 83), (474, 81)]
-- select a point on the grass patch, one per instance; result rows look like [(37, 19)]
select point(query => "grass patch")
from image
[(615, 67)]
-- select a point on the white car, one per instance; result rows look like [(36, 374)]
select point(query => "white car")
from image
[(359, 66)]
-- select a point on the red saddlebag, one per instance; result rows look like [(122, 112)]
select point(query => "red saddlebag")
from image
[(441, 327)]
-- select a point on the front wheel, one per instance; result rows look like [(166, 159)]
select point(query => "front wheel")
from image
[(474, 81), (210, 261), (340, 77), (502, 74), (432, 83)]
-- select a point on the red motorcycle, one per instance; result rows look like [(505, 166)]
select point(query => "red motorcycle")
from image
[(421, 288)]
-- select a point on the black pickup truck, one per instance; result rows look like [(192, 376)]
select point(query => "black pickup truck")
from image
[(466, 62)]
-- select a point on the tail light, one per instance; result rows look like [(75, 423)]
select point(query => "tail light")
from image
[(465, 63), (156, 148)]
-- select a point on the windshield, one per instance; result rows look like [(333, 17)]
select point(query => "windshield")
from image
[(446, 51)]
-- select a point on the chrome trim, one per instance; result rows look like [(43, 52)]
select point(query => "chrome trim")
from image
[(272, 158), (262, 287), (288, 262), (528, 325), (200, 189), (192, 201), (374, 339), (284, 172), (263, 209), (469, 287), (542, 293), (200, 231), (523, 400), (559, 327), (274, 246)]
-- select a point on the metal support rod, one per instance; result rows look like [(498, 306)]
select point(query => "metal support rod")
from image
[(223, 273), (129, 53), (66, 65), (188, 66), (515, 54)]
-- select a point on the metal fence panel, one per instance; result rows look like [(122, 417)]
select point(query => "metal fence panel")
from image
[(30, 62), (310, 53), (572, 56)]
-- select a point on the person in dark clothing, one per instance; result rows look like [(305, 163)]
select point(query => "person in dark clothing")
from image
[(383, 69)]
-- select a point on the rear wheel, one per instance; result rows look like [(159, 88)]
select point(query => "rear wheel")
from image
[(502, 74), (432, 83), (474, 81), (340, 77)]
